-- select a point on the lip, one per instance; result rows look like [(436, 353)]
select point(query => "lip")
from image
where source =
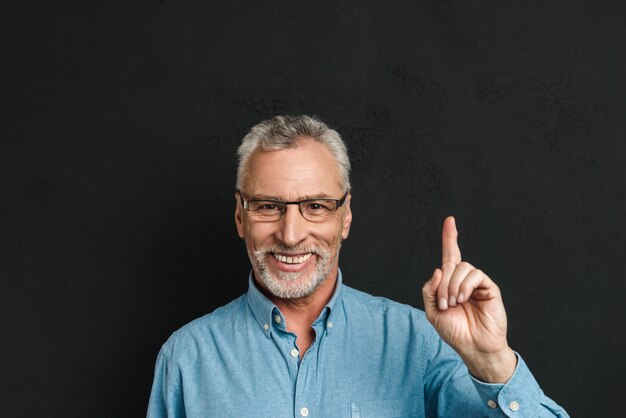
[(290, 268)]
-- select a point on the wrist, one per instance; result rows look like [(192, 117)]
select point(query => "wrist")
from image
[(496, 367)]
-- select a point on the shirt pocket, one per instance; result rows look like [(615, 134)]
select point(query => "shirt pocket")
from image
[(400, 408)]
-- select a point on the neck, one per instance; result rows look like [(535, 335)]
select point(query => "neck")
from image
[(301, 313)]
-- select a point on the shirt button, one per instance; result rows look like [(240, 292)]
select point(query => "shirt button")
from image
[(514, 406), (492, 404), (304, 412), (277, 319), (266, 326), (294, 353), (329, 324)]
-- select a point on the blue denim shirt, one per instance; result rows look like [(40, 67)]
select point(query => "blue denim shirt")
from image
[(371, 358)]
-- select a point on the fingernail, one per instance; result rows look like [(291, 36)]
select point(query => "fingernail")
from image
[(452, 301), (460, 298), (443, 304)]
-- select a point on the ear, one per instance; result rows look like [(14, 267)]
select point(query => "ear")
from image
[(238, 216), (347, 217)]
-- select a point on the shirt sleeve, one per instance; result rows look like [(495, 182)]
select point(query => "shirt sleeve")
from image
[(521, 396), (165, 397), (450, 390)]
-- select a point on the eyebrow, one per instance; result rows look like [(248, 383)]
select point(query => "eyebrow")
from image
[(280, 199)]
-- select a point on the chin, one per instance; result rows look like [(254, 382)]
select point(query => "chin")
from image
[(289, 285), (292, 284)]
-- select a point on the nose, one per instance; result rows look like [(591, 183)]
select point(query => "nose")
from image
[(292, 227)]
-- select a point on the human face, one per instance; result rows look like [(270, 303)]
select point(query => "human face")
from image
[(292, 257)]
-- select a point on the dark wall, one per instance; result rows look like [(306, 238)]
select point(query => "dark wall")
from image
[(119, 125)]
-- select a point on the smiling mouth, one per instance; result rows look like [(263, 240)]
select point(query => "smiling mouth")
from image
[(292, 260)]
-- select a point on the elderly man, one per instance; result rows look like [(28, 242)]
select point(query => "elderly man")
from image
[(301, 343)]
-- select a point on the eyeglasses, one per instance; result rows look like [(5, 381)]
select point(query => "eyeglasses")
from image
[(313, 210)]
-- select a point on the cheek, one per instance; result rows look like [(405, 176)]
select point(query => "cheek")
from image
[(258, 234), (330, 234)]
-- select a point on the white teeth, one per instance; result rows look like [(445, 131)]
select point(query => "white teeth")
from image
[(293, 260)]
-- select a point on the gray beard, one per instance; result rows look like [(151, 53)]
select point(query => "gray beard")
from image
[(281, 284)]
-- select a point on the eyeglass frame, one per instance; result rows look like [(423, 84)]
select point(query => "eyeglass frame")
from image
[(338, 202)]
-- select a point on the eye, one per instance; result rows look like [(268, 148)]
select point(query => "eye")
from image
[(268, 207), (318, 206)]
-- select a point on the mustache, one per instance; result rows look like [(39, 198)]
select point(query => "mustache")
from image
[(282, 249)]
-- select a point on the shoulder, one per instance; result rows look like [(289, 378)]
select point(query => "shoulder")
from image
[(379, 318), (206, 327), (364, 303)]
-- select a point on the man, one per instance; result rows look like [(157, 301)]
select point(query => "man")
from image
[(301, 343)]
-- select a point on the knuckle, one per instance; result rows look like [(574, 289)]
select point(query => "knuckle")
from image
[(448, 266), (467, 265)]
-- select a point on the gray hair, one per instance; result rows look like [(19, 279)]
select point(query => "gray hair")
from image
[(282, 132)]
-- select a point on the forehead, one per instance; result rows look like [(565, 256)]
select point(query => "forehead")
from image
[(308, 169)]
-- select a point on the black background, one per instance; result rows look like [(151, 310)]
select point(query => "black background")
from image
[(118, 131)]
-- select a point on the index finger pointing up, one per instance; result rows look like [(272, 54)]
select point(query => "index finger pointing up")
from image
[(450, 251)]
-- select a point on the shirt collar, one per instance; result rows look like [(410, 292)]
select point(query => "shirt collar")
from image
[(265, 310)]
